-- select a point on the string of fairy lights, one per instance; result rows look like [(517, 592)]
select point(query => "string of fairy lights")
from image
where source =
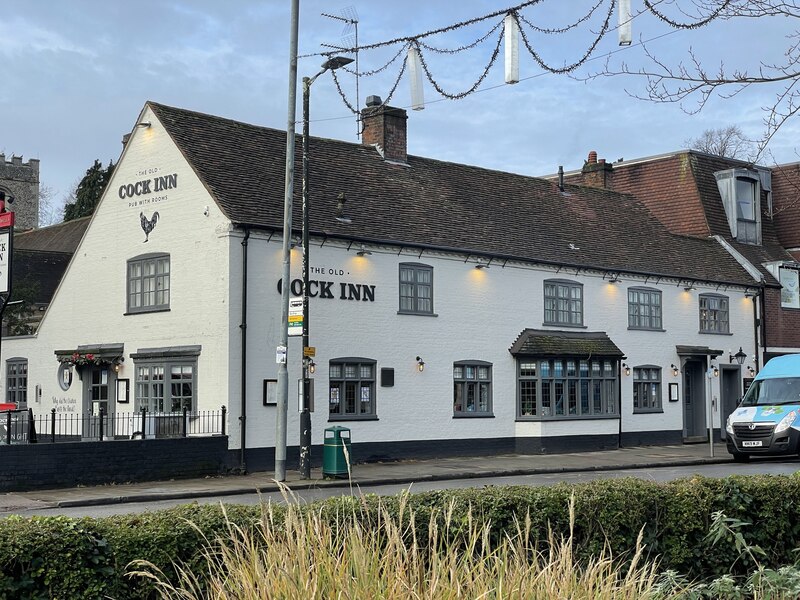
[(506, 29)]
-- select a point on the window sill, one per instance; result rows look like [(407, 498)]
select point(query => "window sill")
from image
[(646, 329), (416, 314), (473, 415), (714, 333), (146, 311), (565, 325), (337, 418), (568, 418), (648, 411)]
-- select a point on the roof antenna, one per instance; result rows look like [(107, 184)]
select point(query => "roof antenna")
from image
[(560, 178), (349, 44)]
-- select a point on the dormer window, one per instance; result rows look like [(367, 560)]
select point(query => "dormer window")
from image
[(740, 190)]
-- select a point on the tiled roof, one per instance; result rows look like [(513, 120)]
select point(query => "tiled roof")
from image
[(436, 204), (681, 191), (579, 344), (63, 237)]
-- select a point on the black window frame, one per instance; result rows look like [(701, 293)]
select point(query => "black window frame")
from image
[(142, 261), (339, 380), (651, 324), (585, 389), (714, 325), (551, 303), (645, 379), (463, 384), (415, 297)]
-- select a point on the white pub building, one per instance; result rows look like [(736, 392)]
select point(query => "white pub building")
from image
[(453, 310)]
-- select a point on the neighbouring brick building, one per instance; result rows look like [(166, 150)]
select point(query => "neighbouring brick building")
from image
[(752, 210)]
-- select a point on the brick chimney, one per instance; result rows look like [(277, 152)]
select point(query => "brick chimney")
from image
[(597, 173), (385, 127)]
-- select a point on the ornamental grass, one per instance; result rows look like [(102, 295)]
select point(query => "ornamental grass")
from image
[(298, 553)]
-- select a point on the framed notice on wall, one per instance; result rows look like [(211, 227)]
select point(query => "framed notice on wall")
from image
[(123, 391), (673, 392)]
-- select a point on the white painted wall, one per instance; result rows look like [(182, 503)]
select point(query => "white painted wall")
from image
[(90, 304)]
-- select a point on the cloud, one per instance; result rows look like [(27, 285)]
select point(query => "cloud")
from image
[(18, 36)]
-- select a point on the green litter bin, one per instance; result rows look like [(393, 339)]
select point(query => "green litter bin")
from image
[(334, 456)]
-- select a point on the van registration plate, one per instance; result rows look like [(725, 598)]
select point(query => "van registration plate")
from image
[(751, 444)]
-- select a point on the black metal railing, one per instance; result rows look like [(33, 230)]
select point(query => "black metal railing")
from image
[(23, 426)]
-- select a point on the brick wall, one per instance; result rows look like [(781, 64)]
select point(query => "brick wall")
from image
[(786, 203), (782, 324), (41, 466)]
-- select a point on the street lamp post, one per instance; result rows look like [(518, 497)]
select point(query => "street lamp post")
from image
[(305, 413)]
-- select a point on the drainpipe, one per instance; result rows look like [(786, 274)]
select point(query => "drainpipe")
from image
[(243, 327), (760, 320)]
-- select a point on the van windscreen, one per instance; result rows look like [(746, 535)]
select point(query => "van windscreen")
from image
[(785, 390)]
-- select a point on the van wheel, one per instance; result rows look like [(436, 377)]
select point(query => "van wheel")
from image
[(740, 457)]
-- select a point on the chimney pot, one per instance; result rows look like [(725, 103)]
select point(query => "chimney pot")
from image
[(374, 101), (592, 158)]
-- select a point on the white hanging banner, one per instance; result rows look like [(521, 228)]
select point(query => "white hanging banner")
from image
[(5, 262), (512, 49), (624, 22), (415, 76)]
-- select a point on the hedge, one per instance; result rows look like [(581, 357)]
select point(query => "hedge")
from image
[(60, 557)]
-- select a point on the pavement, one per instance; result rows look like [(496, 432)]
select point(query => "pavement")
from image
[(370, 474)]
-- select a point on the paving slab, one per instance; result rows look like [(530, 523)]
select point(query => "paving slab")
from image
[(399, 472)]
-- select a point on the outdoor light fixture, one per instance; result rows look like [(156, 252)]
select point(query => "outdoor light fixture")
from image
[(748, 293), (481, 266), (613, 278), (689, 287), (117, 367), (713, 369), (675, 370), (312, 367), (420, 364), (627, 369), (144, 124), (751, 370), (740, 356), (363, 251)]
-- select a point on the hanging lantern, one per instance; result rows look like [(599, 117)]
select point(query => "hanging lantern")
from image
[(415, 75), (624, 22), (512, 49)]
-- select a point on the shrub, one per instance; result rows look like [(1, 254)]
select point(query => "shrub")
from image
[(57, 557)]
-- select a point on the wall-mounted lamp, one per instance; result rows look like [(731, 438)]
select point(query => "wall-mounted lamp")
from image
[(116, 364), (363, 251), (713, 369), (613, 278), (627, 369), (750, 293), (481, 266), (117, 367), (675, 370), (144, 124), (420, 364), (751, 370), (740, 356), (689, 287), (312, 367)]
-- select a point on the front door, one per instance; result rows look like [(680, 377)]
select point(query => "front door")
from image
[(96, 397), (694, 402)]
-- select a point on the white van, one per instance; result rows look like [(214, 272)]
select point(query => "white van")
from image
[(766, 421)]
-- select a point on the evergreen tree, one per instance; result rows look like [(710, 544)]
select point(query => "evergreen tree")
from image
[(89, 191)]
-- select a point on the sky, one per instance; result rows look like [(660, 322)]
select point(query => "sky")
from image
[(75, 74)]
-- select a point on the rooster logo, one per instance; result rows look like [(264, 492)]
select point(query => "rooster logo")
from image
[(148, 224)]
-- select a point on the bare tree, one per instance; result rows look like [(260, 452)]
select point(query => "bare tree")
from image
[(50, 210), (728, 141), (691, 83)]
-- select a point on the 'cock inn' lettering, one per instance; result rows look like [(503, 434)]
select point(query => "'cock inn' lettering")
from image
[(325, 289), (143, 187)]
